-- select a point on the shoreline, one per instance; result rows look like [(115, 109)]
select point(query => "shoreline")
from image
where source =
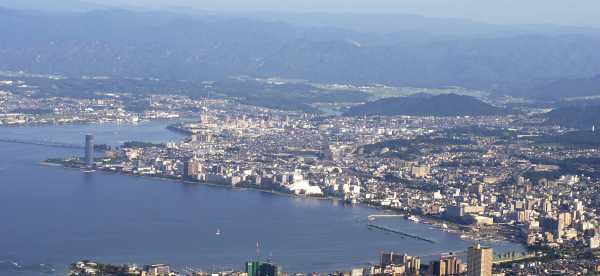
[(90, 122), (433, 222), (209, 184)]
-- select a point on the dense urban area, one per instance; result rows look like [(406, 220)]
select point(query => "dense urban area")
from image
[(487, 178), (299, 138)]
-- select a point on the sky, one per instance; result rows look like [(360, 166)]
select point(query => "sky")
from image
[(559, 12)]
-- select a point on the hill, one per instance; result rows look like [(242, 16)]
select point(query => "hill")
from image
[(427, 105), (578, 116)]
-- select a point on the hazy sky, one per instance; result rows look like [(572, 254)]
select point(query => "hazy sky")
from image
[(562, 12)]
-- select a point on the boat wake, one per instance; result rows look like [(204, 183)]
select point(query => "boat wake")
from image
[(11, 266)]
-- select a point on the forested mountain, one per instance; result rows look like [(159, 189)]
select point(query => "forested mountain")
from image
[(577, 116), (427, 105), (193, 47)]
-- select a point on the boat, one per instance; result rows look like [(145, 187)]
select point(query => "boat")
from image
[(413, 218), (89, 171)]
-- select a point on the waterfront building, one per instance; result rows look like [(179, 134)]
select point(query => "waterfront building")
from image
[(357, 272), (479, 260), (89, 150), (255, 268), (408, 264), (447, 266), (157, 270), (269, 269), (191, 168), (389, 258), (252, 268)]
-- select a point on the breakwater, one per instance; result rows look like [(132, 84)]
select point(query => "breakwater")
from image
[(395, 231)]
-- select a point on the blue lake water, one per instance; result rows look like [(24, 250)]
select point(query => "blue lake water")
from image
[(55, 216)]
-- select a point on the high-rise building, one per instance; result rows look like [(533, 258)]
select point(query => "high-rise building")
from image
[(479, 260), (326, 152), (389, 258), (563, 221), (89, 150), (254, 268), (411, 265), (157, 270), (447, 266), (268, 269), (191, 168)]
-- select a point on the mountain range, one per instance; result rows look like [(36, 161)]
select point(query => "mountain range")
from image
[(176, 46)]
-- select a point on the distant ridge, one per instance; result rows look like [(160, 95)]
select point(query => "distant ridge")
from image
[(175, 46), (427, 105), (566, 88), (51, 5), (579, 116)]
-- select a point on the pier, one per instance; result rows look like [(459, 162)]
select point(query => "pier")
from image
[(395, 231)]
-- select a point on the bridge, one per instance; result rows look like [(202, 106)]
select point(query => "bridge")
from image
[(45, 143)]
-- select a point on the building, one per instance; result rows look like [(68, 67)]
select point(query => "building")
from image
[(268, 269), (326, 152), (357, 272), (254, 268), (594, 241), (463, 213), (89, 150), (479, 260), (447, 266), (389, 258), (303, 187), (408, 264), (157, 270), (191, 168), (419, 171), (563, 221)]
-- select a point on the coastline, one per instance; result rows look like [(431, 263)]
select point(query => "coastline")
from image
[(435, 223)]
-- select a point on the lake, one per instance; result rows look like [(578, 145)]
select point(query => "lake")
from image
[(53, 216)]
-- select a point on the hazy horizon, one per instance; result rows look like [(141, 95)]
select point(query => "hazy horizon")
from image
[(583, 14)]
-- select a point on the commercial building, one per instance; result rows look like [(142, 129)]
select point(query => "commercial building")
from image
[(89, 150), (157, 270), (255, 268), (408, 264), (191, 168), (479, 260), (447, 266)]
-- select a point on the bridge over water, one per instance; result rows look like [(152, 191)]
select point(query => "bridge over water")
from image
[(45, 143)]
